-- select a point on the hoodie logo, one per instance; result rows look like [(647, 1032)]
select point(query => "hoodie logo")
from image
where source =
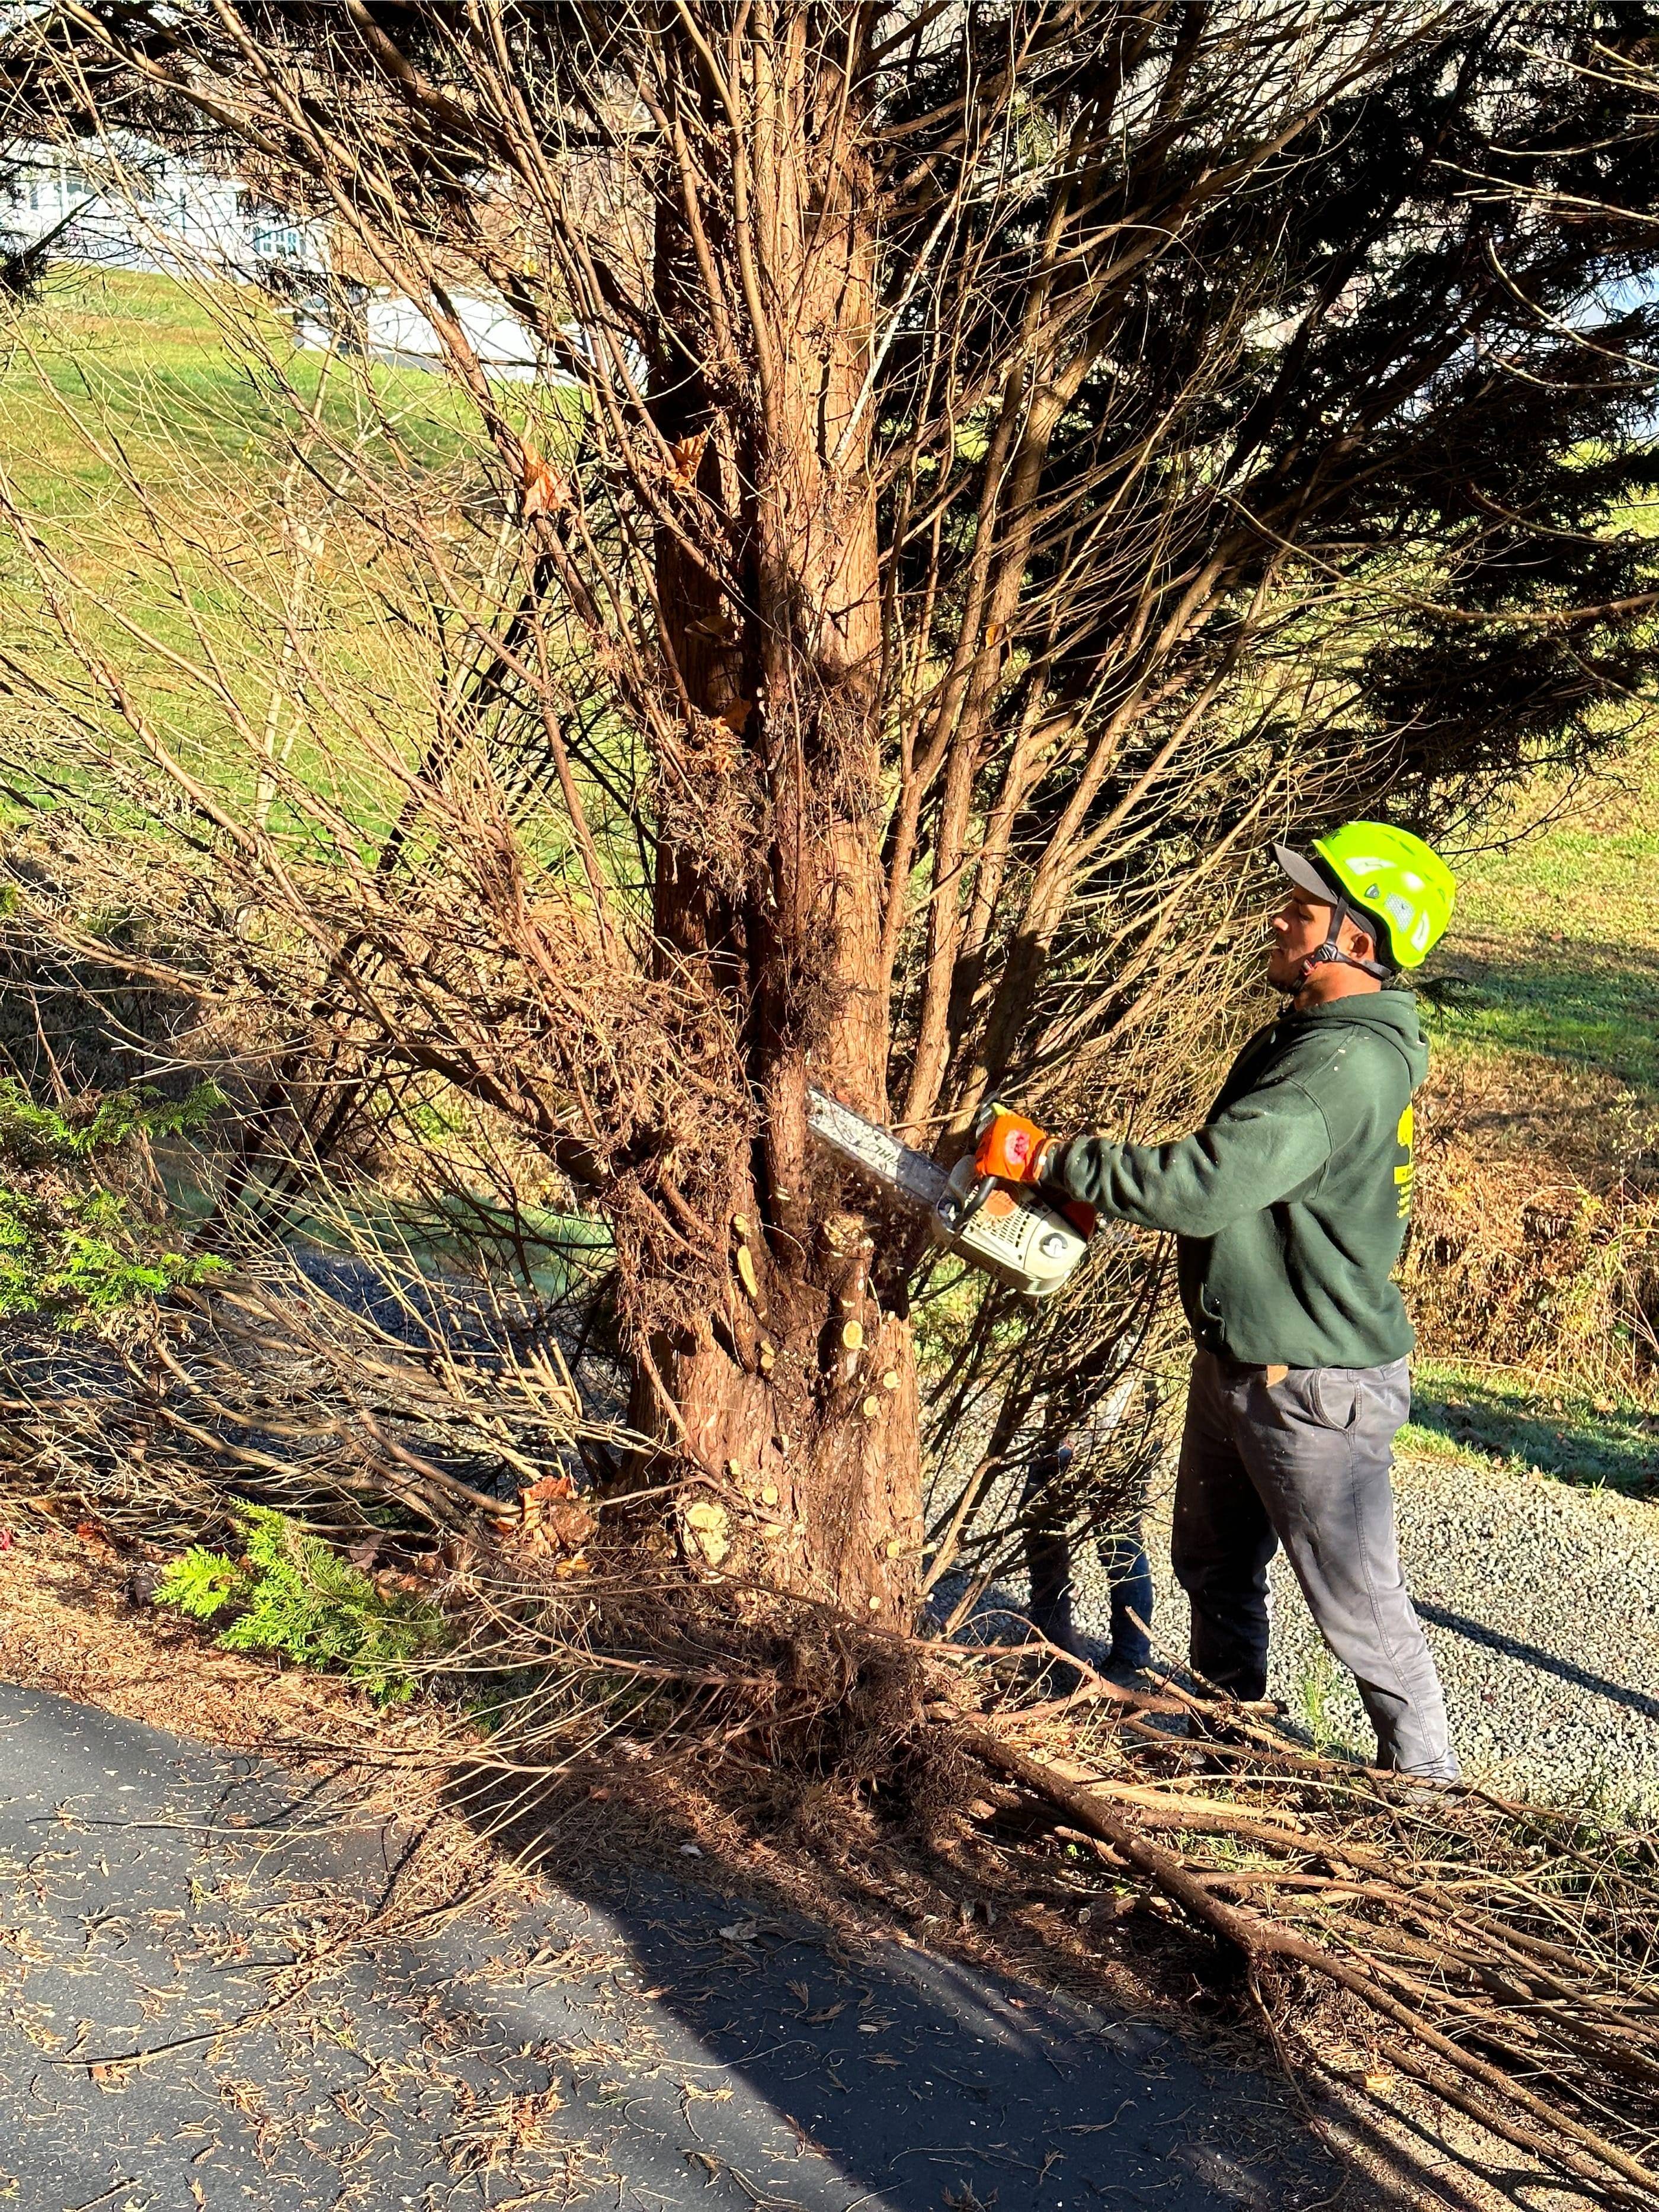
[(1404, 1173)]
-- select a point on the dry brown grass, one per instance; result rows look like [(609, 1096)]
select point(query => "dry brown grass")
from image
[(1535, 1240)]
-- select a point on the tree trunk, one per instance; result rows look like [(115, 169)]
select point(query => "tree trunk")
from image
[(788, 1382)]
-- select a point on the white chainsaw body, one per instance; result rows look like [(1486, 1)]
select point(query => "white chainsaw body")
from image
[(1007, 1229)]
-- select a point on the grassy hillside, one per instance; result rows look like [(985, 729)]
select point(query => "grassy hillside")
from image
[(1537, 1245), (1554, 950), (143, 361), (219, 514)]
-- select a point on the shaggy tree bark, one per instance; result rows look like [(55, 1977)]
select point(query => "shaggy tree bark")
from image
[(801, 1389)]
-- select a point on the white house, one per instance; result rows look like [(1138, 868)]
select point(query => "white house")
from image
[(392, 329), (133, 205)]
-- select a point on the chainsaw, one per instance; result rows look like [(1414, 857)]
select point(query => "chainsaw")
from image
[(1009, 1229)]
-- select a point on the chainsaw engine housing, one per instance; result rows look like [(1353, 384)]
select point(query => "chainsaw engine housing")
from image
[(1012, 1233), (1005, 1228)]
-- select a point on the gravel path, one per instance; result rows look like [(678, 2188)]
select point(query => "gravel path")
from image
[(1541, 1603)]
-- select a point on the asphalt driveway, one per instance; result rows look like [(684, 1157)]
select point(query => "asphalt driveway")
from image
[(196, 2011)]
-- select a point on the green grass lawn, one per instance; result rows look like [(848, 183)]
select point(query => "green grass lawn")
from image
[(153, 438), (1554, 946), (175, 379), (1474, 1413)]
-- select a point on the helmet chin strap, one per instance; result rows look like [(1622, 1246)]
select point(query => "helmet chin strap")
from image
[(1330, 951)]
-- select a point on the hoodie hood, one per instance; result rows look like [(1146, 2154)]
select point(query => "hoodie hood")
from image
[(1392, 1013)]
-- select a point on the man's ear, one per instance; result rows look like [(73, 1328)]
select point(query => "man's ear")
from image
[(1360, 942)]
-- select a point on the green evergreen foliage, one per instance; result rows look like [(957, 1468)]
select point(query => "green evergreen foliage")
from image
[(37, 1135), (293, 1594), (202, 1583), (79, 1262), (72, 1248)]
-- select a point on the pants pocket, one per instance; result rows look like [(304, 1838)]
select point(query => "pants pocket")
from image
[(1332, 1395)]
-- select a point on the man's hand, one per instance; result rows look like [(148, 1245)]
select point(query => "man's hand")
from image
[(1009, 1146)]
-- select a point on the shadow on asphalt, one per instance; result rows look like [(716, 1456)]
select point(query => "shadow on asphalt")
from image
[(199, 2012)]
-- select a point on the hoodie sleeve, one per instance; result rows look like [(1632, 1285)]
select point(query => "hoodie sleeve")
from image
[(1263, 1147)]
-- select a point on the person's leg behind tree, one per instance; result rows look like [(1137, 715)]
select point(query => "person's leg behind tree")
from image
[(1129, 1586), (1044, 1512)]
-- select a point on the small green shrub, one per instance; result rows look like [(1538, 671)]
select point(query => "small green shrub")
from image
[(81, 1262), (76, 1248), (36, 1135), (293, 1594)]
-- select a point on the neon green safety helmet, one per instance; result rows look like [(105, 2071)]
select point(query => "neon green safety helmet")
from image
[(1390, 881)]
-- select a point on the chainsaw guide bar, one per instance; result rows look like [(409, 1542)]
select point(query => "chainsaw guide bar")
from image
[(1011, 1232), (920, 1181)]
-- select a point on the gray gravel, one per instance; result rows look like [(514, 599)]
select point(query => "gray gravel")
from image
[(1541, 1603)]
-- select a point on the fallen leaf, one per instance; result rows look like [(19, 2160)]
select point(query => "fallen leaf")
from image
[(741, 1931), (548, 1485), (541, 489)]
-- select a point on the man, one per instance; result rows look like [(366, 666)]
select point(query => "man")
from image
[(1289, 1207)]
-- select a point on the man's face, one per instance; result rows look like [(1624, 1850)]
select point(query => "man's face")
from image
[(1295, 933)]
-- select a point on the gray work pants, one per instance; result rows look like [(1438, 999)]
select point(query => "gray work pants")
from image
[(1305, 1463)]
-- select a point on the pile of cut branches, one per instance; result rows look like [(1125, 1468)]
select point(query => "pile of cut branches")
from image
[(1499, 1954)]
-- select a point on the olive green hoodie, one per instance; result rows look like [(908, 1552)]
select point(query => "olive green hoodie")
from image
[(1289, 1205)]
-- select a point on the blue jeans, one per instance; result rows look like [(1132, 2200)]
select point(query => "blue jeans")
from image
[(1045, 1510), (1129, 1579)]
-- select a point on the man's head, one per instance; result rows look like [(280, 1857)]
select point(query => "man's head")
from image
[(1366, 901), (1301, 931)]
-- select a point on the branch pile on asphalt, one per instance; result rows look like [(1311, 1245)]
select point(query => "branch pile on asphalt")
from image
[(1498, 1954)]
